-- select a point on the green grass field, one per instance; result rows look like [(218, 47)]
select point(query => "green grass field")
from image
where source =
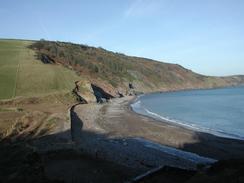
[(21, 74)]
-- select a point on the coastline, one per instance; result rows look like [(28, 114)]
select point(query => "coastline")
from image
[(144, 112), (113, 128), (172, 135), (111, 143), (215, 141)]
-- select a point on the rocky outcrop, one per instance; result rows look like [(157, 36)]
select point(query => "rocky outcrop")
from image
[(46, 59), (100, 94), (79, 98)]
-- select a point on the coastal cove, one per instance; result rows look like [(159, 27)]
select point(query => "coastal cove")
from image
[(215, 111), (102, 138), (118, 124), (134, 91)]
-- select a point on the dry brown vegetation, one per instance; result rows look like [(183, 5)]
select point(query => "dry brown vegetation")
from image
[(115, 71)]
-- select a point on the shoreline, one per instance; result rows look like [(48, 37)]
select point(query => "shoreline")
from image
[(95, 139), (119, 144), (199, 129), (113, 128), (172, 135)]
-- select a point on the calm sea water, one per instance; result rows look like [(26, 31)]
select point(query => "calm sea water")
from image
[(216, 111)]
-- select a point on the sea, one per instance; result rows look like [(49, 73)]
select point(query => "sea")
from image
[(216, 111)]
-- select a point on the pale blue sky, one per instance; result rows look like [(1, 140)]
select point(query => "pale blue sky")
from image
[(206, 36)]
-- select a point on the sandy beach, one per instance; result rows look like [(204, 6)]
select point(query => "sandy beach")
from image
[(111, 131)]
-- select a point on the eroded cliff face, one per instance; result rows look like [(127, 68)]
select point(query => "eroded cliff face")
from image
[(93, 92)]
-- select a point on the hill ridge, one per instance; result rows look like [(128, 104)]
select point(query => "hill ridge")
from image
[(112, 72)]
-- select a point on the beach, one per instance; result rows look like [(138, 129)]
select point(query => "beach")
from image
[(105, 143), (112, 131), (118, 145)]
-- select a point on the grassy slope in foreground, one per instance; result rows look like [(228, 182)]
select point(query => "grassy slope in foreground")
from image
[(113, 71), (21, 74)]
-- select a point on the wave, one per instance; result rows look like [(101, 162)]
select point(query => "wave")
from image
[(139, 108)]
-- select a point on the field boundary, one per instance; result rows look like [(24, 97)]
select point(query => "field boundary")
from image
[(16, 78)]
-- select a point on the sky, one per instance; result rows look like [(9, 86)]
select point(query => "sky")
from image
[(206, 36)]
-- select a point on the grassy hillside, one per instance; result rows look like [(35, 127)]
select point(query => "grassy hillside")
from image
[(22, 74), (114, 71)]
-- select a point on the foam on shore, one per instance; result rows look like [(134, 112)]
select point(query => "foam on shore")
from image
[(139, 108)]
